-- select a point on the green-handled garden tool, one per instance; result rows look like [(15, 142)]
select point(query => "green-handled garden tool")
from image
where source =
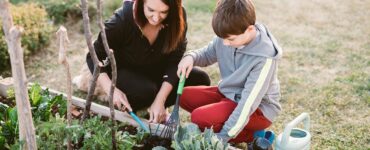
[(171, 124)]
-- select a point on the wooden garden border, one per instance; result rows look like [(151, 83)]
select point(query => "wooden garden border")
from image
[(6, 83)]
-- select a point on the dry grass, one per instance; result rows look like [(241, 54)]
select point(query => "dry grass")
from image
[(324, 71)]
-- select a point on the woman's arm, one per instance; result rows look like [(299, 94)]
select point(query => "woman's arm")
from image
[(115, 27), (119, 98)]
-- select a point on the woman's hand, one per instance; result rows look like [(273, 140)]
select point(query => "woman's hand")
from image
[(157, 112), (120, 100), (185, 66)]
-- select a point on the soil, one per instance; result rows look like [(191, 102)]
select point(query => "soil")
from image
[(9, 102), (129, 128), (148, 142), (153, 141)]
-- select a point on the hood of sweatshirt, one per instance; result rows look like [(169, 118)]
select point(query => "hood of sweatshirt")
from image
[(264, 44)]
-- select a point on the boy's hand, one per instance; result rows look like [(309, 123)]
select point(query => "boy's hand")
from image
[(185, 66)]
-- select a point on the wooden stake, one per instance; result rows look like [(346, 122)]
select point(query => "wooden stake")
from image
[(63, 38), (112, 61), (13, 39), (97, 63)]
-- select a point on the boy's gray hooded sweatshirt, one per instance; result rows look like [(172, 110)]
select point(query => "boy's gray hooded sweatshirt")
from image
[(248, 77)]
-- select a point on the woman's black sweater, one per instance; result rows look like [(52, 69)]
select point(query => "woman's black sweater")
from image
[(133, 51)]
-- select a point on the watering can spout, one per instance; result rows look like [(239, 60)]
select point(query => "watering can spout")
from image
[(295, 138)]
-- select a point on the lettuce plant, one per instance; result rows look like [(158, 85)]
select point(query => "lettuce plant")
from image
[(190, 137)]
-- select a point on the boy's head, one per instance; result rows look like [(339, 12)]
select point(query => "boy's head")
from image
[(233, 21)]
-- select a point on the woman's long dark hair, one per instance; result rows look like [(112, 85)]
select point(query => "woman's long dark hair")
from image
[(174, 22)]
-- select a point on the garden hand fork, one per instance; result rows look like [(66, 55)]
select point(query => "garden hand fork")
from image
[(171, 124)]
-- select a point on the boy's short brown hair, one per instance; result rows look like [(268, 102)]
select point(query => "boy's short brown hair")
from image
[(232, 17)]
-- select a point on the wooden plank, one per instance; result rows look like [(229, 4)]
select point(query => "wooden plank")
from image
[(7, 83), (102, 110)]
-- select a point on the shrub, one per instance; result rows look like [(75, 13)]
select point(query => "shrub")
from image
[(36, 33), (110, 7), (17, 1), (62, 10)]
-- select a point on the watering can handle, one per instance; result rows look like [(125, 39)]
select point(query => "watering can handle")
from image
[(288, 128)]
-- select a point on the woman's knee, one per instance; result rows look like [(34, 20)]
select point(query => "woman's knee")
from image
[(136, 84), (143, 93)]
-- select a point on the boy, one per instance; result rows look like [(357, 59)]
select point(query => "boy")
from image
[(247, 97)]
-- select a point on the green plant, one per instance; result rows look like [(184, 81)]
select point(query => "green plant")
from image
[(98, 136), (3, 110), (53, 133), (44, 105), (92, 134), (110, 7), (36, 33), (11, 94), (9, 125), (17, 1), (191, 138), (2, 141), (52, 130), (62, 10)]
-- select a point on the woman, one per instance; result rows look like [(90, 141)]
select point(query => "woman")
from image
[(148, 40)]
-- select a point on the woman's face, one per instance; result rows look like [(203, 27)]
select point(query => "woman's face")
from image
[(155, 11)]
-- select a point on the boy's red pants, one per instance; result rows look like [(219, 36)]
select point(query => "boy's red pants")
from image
[(208, 107)]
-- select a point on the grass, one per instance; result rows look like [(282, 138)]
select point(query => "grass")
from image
[(324, 71)]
